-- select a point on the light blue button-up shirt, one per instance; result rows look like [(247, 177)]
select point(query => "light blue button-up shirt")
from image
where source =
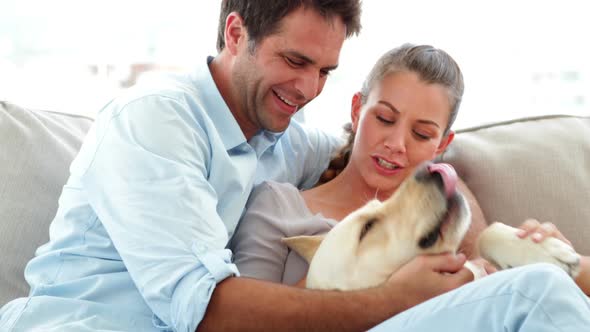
[(155, 193)]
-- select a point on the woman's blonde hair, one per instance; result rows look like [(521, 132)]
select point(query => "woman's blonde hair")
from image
[(432, 65)]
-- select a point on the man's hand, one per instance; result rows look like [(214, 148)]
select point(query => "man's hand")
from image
[(427, 276), (301, 283)]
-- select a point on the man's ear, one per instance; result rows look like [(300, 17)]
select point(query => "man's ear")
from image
[(355, 110), (304, 245), (235, 32), (445, 141)]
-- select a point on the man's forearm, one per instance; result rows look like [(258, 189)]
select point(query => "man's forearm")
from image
[(242, 304)]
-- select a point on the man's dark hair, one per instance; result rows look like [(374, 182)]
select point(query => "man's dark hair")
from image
[(262, 17)]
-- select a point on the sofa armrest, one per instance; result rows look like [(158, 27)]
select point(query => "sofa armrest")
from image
[(530, 168), (36, 149)]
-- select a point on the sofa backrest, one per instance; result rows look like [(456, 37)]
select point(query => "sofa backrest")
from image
[(536, 167), (36, 149), (530, 168)]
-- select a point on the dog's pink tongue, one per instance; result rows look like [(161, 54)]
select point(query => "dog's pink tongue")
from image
[(448, 175)]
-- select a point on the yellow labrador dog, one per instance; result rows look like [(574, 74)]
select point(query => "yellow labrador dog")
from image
[(426, 215)]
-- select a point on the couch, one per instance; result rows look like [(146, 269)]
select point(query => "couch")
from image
[(534, 167)]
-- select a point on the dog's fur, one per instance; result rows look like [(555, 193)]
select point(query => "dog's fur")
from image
[(426, 215)]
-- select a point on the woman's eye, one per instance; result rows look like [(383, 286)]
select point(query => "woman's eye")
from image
[(385, 120), (421, 136)]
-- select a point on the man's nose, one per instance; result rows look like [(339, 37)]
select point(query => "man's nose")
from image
[(308, 85)]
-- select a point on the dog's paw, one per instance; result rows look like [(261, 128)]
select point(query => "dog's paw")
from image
[(562, 254), (500, 245)]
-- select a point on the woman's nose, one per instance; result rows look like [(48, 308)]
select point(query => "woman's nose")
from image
[(396, 141)]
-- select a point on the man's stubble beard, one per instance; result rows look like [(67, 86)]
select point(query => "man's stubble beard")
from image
[(253, 98), (244, 88)]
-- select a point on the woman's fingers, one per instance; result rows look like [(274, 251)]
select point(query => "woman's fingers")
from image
[(540, 231), (528, 227)]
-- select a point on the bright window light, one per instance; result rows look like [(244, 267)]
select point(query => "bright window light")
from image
[(519, 58)]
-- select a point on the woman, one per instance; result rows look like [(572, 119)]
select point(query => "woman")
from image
[(401, 118)]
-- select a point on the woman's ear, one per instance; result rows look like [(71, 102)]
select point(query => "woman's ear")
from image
[(444, 142), (355, 110), (235, 32)]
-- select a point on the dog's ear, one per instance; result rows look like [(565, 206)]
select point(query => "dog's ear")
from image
[(304, 245)]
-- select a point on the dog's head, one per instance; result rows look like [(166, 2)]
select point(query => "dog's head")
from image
[(425, 215)]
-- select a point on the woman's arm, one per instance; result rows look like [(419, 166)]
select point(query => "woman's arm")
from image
[(583, 279), (478, 223)]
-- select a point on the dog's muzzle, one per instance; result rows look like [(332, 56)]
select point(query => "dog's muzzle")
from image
[(445, 178)]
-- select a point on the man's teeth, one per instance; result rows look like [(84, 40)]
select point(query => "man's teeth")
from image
[(286, 101), (386, 164)]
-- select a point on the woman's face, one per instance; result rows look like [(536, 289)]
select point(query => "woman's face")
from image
[(400, 126)]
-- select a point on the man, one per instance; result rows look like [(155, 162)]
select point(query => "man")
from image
[(138, 242)]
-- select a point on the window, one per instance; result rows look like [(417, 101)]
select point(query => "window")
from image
[(519, 58)]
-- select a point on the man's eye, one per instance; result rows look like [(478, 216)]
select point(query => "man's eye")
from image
[(324, 73), (293, 62)]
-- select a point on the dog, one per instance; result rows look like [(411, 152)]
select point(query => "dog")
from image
[(426, 215)]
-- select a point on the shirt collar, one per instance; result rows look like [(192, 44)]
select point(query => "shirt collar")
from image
[(214, 105), (263, 140)]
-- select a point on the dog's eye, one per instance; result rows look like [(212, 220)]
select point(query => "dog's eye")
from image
[(430, 239), (367, 226)]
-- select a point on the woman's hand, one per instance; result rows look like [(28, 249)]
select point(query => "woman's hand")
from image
[(540, 231), (480, 267)]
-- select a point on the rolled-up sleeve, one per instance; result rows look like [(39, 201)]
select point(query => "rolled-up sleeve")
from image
[(214, 267), (147, 179)]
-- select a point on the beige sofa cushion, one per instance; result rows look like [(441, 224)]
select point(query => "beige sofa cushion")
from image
[(36, 149), (534, 167)]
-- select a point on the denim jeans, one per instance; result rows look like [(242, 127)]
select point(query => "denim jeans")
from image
[(535, 298)]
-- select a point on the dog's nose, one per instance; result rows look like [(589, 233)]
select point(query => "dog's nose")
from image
[(448, 176)]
